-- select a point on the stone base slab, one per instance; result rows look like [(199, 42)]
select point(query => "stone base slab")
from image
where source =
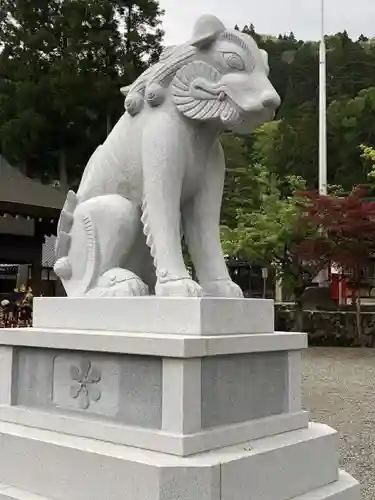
[(61, 467), (159, 399), (167, 315), (346, 488)]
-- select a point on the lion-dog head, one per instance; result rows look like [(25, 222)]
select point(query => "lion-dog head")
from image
[(220, 76)]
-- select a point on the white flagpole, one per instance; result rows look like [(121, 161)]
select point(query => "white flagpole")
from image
[(322, 277), (322, 109)]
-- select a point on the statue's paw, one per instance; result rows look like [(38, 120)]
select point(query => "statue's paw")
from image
[(222, 288), (119, 283), (133, 287), (184, 287)]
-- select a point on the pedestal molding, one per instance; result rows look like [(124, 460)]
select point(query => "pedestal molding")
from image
[(153, 439), (148, 344)]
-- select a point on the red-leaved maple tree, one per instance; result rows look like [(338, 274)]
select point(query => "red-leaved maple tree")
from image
[(346, 234)]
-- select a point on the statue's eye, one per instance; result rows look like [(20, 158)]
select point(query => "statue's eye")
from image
[(233, 60)]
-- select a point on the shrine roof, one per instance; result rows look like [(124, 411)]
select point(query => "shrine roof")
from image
[(22, 195)]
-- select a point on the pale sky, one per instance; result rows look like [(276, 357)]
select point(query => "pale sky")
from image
[(272, 16)]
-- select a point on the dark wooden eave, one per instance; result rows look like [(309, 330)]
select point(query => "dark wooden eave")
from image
[(27, 197)]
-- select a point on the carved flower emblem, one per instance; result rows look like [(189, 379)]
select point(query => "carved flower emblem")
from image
[(85, 383)]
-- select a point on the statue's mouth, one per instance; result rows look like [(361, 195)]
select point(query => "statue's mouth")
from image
[(200, 89)]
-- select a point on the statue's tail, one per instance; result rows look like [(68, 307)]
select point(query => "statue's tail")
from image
[(77, 275), (63, 267)]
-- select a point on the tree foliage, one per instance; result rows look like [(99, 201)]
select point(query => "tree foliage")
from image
[(346, 236), (368, 156), (351, 124), (61, 67), (241, 186), (271, 233), (262, 233), (290, 147)]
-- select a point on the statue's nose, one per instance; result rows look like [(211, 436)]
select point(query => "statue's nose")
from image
[(271, 99)]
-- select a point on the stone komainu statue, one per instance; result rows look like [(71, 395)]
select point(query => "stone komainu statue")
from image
[(159, 175)]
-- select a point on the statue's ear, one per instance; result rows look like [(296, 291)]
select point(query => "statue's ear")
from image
[(125, 90), (206, 31)]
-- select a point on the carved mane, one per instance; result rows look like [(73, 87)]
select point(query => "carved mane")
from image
[(152, 84)]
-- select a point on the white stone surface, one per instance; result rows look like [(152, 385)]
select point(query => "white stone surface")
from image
[(6, 375), (181, 316), (84, 452), (340, 490), (294, 380), (106, 398), (161, 171), (10, 493), (125, 388), (174, 346), (153, 439), (284, 466), (141, 390), (244, 387), (182, 395), (346, 488), (64, 467)]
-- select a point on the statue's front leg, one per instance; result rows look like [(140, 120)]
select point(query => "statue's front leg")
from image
[(201, 222), (163, 171)]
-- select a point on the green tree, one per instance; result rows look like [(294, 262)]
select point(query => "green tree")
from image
[(351, 124), (62, 64), (240, 188), (270, 234), (368, 157), (292, 146)]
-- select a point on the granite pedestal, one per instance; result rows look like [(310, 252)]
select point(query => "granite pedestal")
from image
[(159, 399)]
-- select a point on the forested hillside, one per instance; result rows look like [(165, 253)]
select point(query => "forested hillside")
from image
[(290, 145)]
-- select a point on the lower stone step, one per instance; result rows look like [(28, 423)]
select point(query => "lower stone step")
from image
[(64, 467), (346, 488)]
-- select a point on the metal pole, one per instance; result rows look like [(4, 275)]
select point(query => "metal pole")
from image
[(322, 109), (323, 275)]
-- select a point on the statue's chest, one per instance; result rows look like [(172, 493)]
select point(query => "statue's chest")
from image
[(196, 152)]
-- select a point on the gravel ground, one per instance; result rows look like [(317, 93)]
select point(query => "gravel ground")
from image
[(339, 390)]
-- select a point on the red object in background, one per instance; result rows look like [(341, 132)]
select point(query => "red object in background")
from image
[(345, 233), (338, 281)]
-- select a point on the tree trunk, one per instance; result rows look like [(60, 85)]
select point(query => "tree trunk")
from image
[(63, 174), (264, 277), (298, 314), (358, 316), (129, 22)]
